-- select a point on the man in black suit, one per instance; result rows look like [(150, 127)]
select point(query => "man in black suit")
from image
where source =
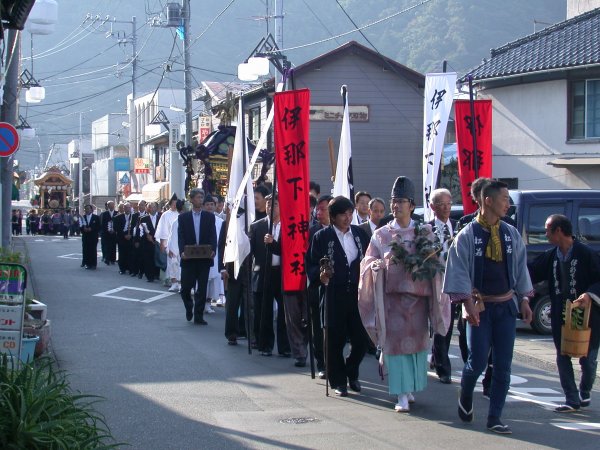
[(315, 287), (345, 246), (136, 261), (445, 229), (376, 213), (108, 234), (146, 229), (263, 245), (123, 226), (90, 227), (196, 227)]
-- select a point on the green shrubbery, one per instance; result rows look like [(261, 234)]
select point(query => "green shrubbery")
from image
[(40, 411)]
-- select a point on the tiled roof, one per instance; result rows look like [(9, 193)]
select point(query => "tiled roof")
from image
[(218, 89), (574, 42)]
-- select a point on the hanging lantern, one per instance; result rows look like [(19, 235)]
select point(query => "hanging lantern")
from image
[(246, 73), (27, 133), (39, 28), (35, 94), (259, 65), (44, 12)]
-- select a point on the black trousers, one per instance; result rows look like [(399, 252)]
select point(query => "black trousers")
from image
[(125, 254), (136, 260), (314, 305), (236, 296), (149, 268), (89, 245), (440, 347), (263, 313), (346, 325), (109, 247), (194, 273)]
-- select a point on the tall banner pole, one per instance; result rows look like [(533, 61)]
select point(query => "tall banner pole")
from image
[(247, 261)]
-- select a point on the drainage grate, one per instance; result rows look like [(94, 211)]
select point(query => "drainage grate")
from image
[(299, 420)]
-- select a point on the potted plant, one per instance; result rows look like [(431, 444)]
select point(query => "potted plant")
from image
[(39, 410)]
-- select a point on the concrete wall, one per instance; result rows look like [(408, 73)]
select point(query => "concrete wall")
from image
[(103, 180), (109, 130), (385, 147), (530, 130)]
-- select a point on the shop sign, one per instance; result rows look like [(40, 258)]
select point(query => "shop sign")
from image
[(141, 165)]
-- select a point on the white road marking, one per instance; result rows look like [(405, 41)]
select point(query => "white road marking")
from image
[(109, 294), (577, 425), (550, 397), (71, 256)]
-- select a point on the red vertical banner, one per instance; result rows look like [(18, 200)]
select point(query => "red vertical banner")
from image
[(467, 157), (291, 126)]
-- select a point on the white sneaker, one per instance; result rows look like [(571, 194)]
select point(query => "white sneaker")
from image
[(221, 300), (411, 398), (174, 287), (208, 309), (402, 405)]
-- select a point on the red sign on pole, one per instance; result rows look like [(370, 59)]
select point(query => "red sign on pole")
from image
[(468, 159), (291, 125), (9, 139)]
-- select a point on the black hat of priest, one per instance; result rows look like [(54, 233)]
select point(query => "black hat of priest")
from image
[(403, 188)]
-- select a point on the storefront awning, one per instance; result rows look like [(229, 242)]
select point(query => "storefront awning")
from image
[(154, 192), (135, 197), (570, 162)]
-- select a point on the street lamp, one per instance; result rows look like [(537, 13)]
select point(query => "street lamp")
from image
[(257, 63)]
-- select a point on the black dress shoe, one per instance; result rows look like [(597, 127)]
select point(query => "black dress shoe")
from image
[(266, 353), (200, 322), (232, 342), (341, 391), (445, 379), (107, 262), (355, 385), (189, 315), (300, 362), (285, 354), (140, 276), (321, 374)]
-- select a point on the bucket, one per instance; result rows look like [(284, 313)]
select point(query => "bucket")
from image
[(575, 343), (28, 348)]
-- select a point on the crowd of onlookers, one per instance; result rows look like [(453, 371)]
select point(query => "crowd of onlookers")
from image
[(46, 222)]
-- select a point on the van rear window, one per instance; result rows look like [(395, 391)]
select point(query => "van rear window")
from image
[(534, 226), (588, 224)]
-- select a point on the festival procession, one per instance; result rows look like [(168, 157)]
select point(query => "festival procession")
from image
[(329, 252)]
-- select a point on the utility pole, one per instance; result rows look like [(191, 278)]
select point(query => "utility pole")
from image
[(187, 72), (10, 115), (278, 32), (80, 169)]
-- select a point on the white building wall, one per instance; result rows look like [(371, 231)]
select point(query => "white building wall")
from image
[(530, 130), (577, 7)]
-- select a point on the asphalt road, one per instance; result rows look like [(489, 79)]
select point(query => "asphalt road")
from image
[(169, 384)]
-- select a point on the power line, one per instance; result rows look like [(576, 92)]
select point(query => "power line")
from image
[(377, 22)]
